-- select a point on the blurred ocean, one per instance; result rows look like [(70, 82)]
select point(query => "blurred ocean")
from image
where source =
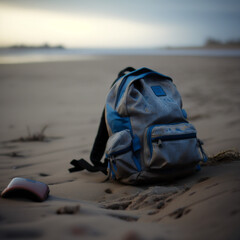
[(13, 56)]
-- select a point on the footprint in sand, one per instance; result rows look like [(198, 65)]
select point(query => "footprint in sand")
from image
[(68, 210), (43, 174), (211, 186), (22, 166), (178, 213), (154, 196), (15, 154), (108, 190), (192, 193), (203, 179), (125, 217)]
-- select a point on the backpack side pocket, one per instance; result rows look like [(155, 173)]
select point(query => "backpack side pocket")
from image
[(171, 145), (120, 155)]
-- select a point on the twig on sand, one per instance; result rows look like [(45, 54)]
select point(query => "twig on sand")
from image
[(222, 157)]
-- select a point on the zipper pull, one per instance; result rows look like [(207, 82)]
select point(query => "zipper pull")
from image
[(159, 142), (204, 155)]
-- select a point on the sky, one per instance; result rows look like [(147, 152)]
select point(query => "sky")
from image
[(118, 23)]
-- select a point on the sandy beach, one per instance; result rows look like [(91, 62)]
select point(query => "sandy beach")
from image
[(67, 97)]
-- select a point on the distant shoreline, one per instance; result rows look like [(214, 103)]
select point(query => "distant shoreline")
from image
[(212, 44), (205, 47), (30, 55), (40, 47)]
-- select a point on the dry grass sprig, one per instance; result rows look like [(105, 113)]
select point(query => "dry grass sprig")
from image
[(222, 157), (33, 137)]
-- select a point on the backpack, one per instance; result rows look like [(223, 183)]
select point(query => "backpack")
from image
[(144, 131)]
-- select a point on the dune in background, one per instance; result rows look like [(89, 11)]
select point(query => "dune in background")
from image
[(63, 101)]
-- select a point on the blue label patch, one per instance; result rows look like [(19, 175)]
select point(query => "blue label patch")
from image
[(158, 91)]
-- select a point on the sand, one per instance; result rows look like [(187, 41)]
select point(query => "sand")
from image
[(68, 98)]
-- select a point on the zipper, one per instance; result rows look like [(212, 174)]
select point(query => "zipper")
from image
[(122, 151), (149, 131), (166, 137), (175, 137), (113, 162), (125, 150)]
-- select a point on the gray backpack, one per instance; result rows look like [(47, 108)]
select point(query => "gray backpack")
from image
[(148, 135)]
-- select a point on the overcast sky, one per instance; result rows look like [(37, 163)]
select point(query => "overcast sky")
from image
[(118, 23)]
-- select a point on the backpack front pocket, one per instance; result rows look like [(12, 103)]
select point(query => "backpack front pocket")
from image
[(171, 145), (120, 155)]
